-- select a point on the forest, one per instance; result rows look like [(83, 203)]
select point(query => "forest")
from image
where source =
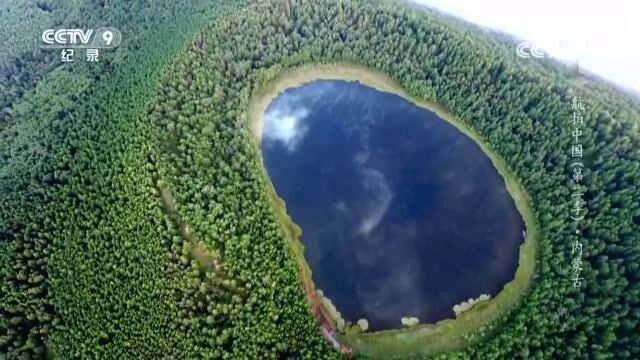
[(135, 221)]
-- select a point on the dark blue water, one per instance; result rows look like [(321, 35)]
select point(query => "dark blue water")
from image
[(401, 213)]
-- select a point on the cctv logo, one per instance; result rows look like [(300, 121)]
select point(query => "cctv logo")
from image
[(526, 50), (66, 37)]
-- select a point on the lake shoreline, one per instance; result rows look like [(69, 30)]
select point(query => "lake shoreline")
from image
[(447, 334)]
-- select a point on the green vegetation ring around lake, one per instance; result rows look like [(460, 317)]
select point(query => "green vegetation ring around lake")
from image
[(445, 335)]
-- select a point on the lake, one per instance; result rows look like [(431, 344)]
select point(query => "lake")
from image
[(402, 215)]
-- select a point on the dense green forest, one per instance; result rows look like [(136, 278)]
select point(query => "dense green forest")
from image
[(135, 221)]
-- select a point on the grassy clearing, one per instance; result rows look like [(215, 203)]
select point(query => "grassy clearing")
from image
[(449, 334)]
